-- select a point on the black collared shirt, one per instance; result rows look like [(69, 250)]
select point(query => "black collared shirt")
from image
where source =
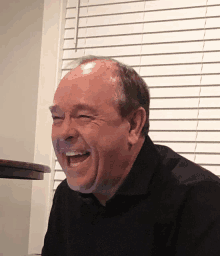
[(166, 205)]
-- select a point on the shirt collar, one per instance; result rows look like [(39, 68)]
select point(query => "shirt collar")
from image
[(138, 179)]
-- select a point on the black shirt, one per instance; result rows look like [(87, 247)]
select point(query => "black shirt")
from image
[(166, 205)]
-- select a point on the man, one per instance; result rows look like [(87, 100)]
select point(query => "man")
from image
[(122, 194)]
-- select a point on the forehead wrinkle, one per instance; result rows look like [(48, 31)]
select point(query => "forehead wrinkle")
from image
[(80, 106)]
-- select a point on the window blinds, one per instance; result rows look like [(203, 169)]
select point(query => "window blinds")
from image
[(175, 47)]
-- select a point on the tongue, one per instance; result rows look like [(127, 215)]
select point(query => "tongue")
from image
[(77, 159)]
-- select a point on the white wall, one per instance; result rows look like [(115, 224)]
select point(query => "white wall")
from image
[(20, 48), (30, 52), (50, 73)]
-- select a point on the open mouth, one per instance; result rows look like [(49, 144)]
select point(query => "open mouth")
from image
[(76, 159)]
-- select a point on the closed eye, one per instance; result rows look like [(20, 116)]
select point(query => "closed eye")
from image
[(56, 117), (84, 116)]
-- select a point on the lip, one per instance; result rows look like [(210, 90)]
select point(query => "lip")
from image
[(76, 164)]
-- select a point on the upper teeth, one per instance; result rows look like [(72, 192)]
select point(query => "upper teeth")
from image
[(73, 153)]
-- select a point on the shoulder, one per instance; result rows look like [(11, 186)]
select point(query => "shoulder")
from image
[(184, 171), (180, 181), (193, 190)]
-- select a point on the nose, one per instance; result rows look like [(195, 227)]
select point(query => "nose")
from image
[(65, 135), (69, 130)]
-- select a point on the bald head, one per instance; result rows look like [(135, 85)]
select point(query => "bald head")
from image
[(92, 73), (131, 91), (99, 67), (88, 67)]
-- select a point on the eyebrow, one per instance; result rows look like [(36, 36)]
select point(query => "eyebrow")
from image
[(80, 106), (54, 108)]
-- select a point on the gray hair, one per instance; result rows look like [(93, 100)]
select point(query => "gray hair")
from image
[(134, 90)]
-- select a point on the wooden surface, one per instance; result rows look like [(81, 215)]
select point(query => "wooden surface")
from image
[(22, 170)]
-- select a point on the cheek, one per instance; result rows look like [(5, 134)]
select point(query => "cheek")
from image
[(54, 138), (112, 136), (54, 133)]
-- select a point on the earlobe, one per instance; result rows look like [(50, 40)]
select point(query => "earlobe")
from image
[(137, 121)]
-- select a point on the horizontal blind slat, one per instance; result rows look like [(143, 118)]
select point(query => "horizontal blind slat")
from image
[(135, 49), (69, 33), (169, 59), (151, 15), (112, 9), (173, 125), (182, 80), (132, 18), (174, 92), (212, 33), (185, 125), (209, 113), (212, 22), (208, 147), (68, 56), (185, 91), (211, 79), (212, 45), (135, 29), (71, 13), (211, 68), (70, 23), (210, 90), (185, 114), (208, 136), (186, 136), (148, 48), (150, 4), (211, 56), (207, 159), (139, 39), (172, 136), (174, 70), (210, 102), (169, 4), (213, 10), (96, 2), (190, 147), (209, 125), (204, 114), (213, 1)]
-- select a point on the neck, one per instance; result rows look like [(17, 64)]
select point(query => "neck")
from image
[(104, 195)]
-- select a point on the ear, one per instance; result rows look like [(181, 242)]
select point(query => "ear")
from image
[(137, 120)]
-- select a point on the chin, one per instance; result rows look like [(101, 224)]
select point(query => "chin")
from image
[(83, 187)]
